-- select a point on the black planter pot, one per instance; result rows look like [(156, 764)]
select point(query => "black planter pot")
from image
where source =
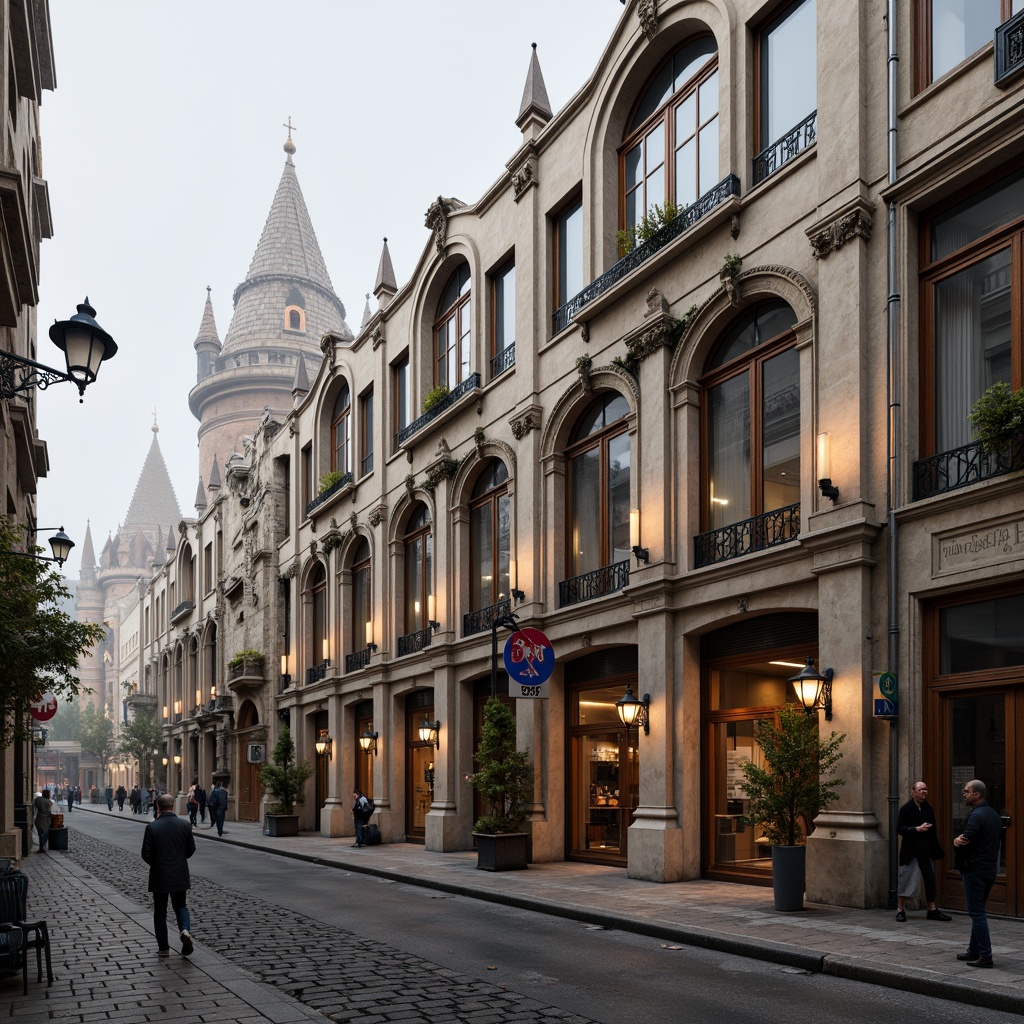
[(282, 825), (509, 852), (789, 870)]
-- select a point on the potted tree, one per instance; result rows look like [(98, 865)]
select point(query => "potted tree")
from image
[(796, 780), (504, 777), (998, 420), (284, 780)]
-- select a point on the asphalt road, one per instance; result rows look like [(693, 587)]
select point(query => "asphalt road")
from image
[(354, 947)]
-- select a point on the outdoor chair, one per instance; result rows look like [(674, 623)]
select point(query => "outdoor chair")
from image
[(13, 954), (14, 911)]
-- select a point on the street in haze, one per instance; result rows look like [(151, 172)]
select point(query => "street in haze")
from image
[(357, 947)]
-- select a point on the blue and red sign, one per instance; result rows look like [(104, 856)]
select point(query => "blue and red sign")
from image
[(529, 662)]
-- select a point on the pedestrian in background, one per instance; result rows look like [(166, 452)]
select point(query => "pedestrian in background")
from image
[(70, 794), (218, 804), (43, 808), (108, 795), (201, 797), (120, 795), (166, 847), (977, 857), (135, 799), (192, 804), (361, 813), (919, 849)]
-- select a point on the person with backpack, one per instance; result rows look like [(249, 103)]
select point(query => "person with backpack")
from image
[(362, 809)]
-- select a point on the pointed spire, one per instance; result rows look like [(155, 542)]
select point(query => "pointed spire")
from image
[(300, 382), (386, 286), (200, 496), (214, 484), (172, 544), (367, 315), (207, 338), (88, 570), (153, 502), (535, 110)]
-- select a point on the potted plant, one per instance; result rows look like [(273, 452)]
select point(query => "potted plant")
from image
[(796, 780), (998, 420), (246, 663), (504, 777), (284, 780)]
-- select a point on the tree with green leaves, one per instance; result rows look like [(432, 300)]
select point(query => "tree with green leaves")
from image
[(96, 735), (285, 778), (66, 724), (140, 736), (40, 644), (504, 774)]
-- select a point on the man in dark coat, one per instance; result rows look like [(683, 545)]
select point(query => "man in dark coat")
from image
[(166, 847), (201, 797), (977, 857), (919, 849), (217, 802)]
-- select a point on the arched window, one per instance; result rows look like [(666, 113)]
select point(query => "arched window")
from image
[(294, 318), (193, 673), (452, 330), (318, 611), (670, 152), (362, 598), (490, 541), (419, 557), (599, 486), (341, 432), (751, 410)]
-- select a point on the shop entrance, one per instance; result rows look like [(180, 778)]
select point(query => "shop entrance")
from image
[(419, 761)]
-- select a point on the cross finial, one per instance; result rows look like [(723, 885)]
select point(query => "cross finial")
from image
[(289, 146)]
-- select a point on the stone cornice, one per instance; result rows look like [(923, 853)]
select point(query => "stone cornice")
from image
[(851, 221)]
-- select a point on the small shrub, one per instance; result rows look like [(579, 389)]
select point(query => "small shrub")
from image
[(328, 480), (432, 397), (243, 656), (998, 418)]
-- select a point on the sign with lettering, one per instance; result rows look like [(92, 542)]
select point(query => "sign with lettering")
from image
[(529, 661), (993, 544)]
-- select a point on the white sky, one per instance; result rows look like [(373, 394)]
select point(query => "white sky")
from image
[(162, 150)]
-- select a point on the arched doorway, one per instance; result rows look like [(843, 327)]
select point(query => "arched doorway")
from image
[(248, 791)]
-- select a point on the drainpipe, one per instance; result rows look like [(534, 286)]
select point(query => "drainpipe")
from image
[(893, 442)]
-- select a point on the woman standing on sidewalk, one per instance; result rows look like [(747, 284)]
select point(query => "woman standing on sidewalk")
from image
[(43, 809)]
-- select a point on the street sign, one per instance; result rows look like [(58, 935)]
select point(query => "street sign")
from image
[(886, 698), (529, 661), (44, 707)]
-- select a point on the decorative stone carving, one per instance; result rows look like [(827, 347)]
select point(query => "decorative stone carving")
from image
[(585, 331), (640, 346), (327, 347), (729, 283), (734, 226), (443, 451), (522, 423), (377, 337), (522, 180), (376, 515), (647, 12), (437, 220), (656, 303), (852, 224), (586, 639)]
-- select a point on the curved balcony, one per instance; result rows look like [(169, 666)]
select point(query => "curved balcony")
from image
[(746, 536)]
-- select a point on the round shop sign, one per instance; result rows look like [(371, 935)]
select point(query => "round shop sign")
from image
[(529, 661), (44, 707)]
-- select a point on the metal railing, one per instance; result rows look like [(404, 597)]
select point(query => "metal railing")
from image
[(478, 621), (357, 660), (317, 672), (413, 642), (754, 534), (503, 361), (1009, 50), (962, 467), (324, 495), (564, 315), (780, 152), (469, 384), (598, 583), (188, 605), (248, 667)]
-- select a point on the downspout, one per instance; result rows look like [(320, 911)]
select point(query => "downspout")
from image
[(893, 442)]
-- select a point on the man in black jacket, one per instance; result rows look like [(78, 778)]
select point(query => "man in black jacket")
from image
[(977, 857), (919, 849), (166, 847)]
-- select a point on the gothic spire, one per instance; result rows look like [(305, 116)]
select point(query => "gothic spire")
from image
[(535, 110)]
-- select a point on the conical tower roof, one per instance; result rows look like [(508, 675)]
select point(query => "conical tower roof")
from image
[(88, 570), (207, 336), (153, 502), (535, 105)]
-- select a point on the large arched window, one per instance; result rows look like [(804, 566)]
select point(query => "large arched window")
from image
[(341, 432), (452, 334), (599, 460), (419, 556), (751, 409), (490, 540), (318, 612), (362, 603), (670, 152)]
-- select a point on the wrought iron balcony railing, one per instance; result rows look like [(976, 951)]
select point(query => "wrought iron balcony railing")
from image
[(564, 315), (961, 467), (1009, 51), (182, 609), (247, 667), (471, 383), (317, 672), (503, 361), (795, 141), (413, 642), (324, 495), (477, 622), (357, 660), (754, 534), (598, 583)]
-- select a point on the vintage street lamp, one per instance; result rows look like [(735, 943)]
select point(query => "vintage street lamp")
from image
[(814, 689), (633, 711)]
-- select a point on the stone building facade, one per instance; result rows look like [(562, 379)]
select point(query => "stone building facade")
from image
[(687, 388)]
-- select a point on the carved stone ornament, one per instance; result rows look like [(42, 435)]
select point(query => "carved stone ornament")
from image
[(732, 288), (376, 515), (327, 347), (847, 226), (586, 640), (647, 12), (658, 335), (437, 220), (522, 180), (443, 451), (655, 303), (584, 331), (377, 337), (524, 422)]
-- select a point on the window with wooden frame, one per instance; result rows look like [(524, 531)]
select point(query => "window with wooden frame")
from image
[(453, 330), (366, 432), (972, 260), (318, 611), (362, 598), (401, 393), (599, 461), (341, 432), (947, 32), (787, 87), (490, 537), (419, 571), (670, 152), (308, 488), (503, 318), (750, 407), (568, 251)]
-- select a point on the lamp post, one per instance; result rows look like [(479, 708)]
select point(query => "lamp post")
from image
[(85, 345), (60, 544), (814, 689)]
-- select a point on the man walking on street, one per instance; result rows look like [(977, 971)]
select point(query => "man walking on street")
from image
[(217, 802), (977, 857), (919, 849), (166, 847)]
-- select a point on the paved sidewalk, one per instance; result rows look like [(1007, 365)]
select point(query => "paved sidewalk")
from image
[(866, 945), (106, 967)]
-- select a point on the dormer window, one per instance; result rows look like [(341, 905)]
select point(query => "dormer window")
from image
[(295, 319)]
